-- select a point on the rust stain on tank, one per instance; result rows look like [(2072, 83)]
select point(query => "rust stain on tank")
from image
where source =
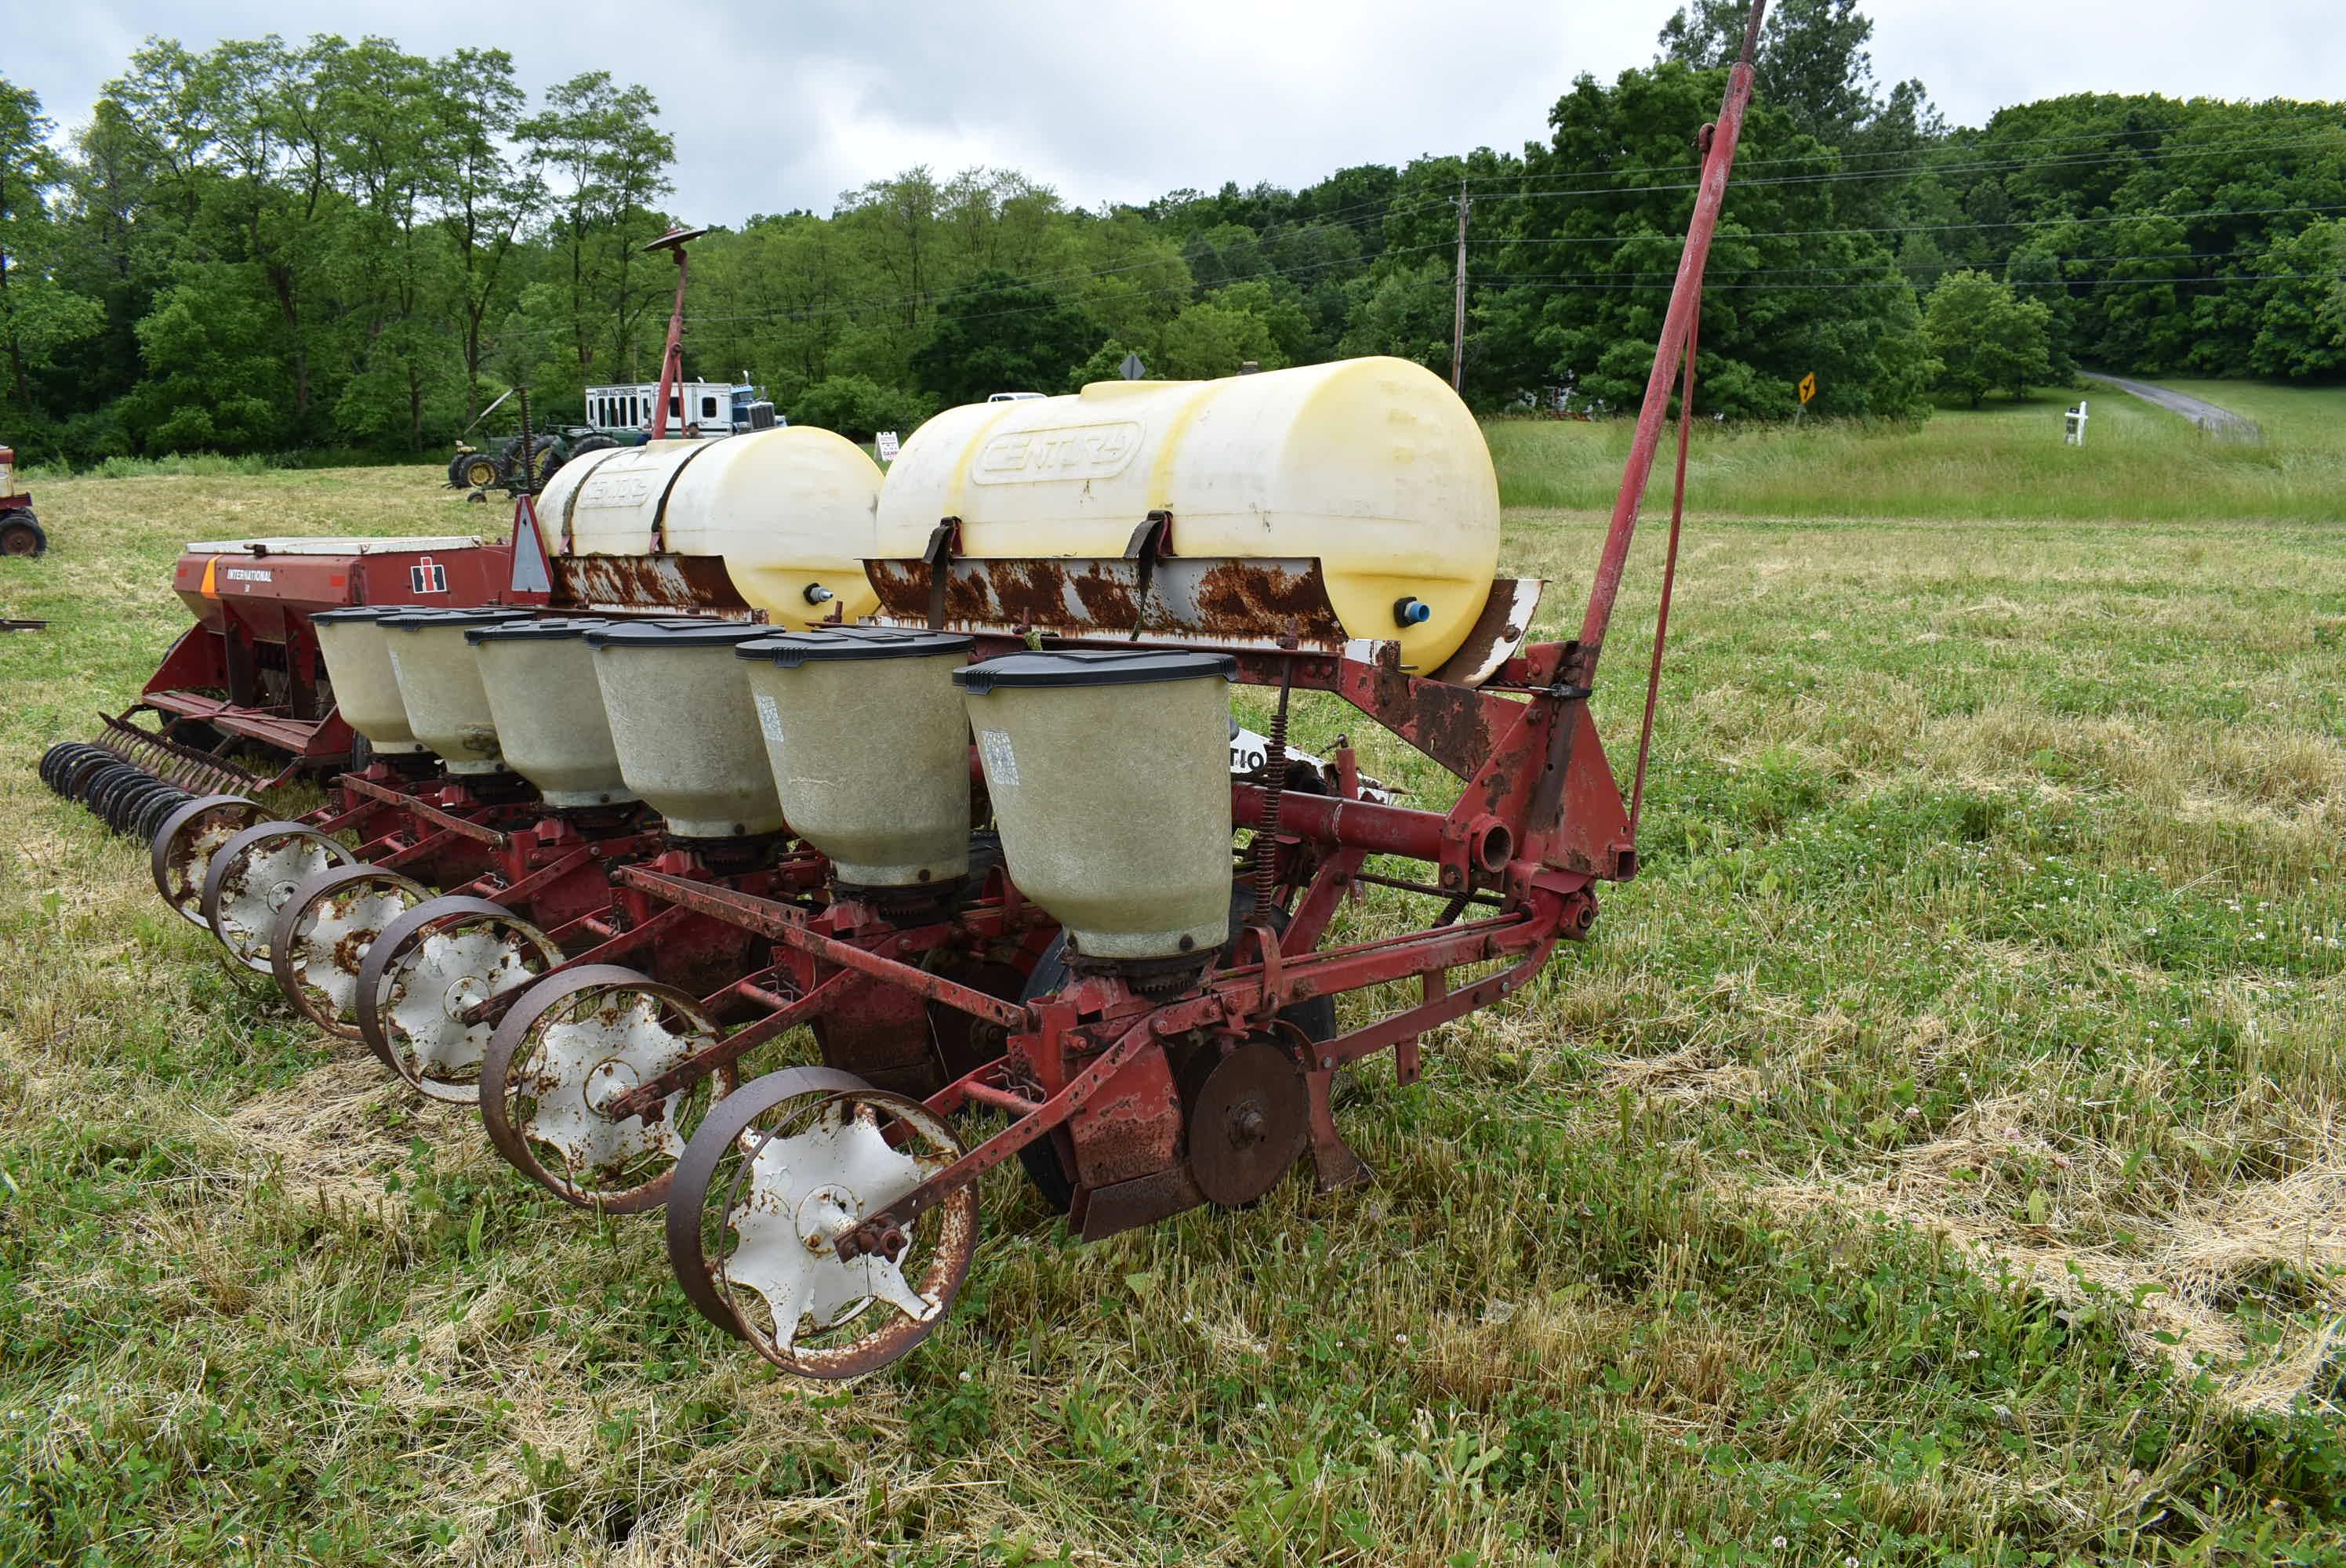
[(1107, 602), (1236, 601), (646, 582), (1243, 597)]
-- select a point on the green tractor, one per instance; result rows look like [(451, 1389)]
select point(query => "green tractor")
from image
[(496, 463)]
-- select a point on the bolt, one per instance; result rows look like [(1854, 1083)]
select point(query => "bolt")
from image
[(1249, 1125)]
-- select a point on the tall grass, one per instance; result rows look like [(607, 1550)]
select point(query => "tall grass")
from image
[(2003, 461), (216, 466), (195, 464)]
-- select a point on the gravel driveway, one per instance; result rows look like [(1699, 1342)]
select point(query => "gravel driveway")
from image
[(2206, 415)]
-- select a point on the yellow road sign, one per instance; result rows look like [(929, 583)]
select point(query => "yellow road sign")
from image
[(1807, 388)]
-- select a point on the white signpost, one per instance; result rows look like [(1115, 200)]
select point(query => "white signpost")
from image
[(2073, 423), (888, 445)]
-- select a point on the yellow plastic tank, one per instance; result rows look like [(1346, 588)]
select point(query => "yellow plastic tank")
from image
[(1372, 466), (789, 512)]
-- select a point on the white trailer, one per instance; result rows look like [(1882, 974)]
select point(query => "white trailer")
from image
[(704, 408)]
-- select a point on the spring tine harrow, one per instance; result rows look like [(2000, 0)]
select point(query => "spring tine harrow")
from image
[(173, 761)]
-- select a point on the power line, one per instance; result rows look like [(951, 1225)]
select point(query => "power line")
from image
[(876, 305), (1952, 139), (1894, 264), (1834, 177), (1290, 273), (2214, 280), (1728, 233)]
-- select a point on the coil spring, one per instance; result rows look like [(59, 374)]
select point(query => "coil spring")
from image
[(1274, 762)]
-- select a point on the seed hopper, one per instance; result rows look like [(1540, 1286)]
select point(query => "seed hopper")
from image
[(963, 806)]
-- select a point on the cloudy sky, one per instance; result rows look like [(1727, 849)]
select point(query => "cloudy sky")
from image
[(776, 103)]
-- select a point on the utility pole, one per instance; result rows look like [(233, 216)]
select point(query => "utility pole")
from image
[(1458, 318)]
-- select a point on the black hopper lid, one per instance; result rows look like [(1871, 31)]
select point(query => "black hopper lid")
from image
[(791, 649), (1095, 666), (674, 633)]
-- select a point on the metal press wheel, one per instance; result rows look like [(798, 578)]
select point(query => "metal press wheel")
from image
[(781, 1168), (322, 937), (181, 846), (429, 968), (571, 1044), (253, 876)]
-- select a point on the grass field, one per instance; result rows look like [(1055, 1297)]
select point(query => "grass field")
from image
[(2004, 460), (1938, 1154)]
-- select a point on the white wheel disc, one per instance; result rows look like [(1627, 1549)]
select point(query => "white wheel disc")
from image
[(582, 1065), (430, 987), (806, 1187), (260, 882), (335, 938)]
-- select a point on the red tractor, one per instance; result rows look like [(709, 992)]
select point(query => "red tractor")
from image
[(20, 531)]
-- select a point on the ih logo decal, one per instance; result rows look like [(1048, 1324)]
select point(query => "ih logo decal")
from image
[(427, 577)]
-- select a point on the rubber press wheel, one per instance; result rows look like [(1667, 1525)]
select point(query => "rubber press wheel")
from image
[(151, 815), (88, 774), (59, 758), (131, 804)]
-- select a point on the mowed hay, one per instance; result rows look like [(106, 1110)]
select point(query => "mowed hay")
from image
[(1992, 888), (2175, 1285)]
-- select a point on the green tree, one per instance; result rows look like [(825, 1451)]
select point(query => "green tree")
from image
[(1811, 59), (858, 408), (1589, 251), (1002, 335), (37, 316), (485, 194), (1986, 339), (1212, 339), (596, 143), (216, 378), (1277, 304), (1106, 363), (1404, 311), (396, 278)]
